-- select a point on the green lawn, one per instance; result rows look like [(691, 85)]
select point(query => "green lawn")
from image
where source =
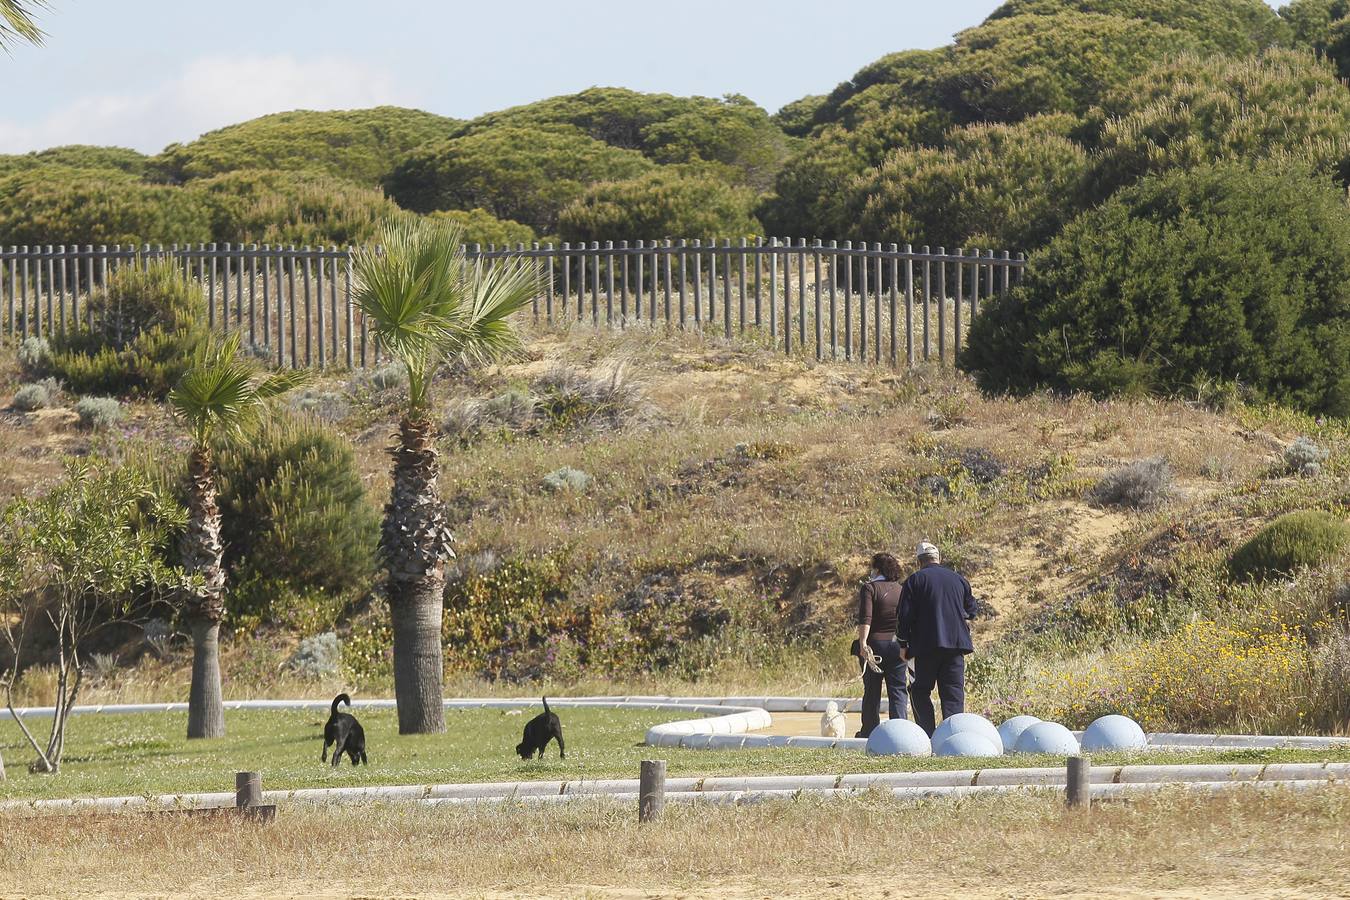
[(146, 753)]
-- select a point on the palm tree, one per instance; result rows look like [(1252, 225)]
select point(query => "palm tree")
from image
[(222, 392), (17, 22), (426, 304)]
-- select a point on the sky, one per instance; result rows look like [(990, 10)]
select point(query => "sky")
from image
[(146, 73)]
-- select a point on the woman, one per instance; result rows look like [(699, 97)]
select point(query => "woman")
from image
[(878, 602)]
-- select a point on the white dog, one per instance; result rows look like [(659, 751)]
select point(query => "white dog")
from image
[(832, 722)]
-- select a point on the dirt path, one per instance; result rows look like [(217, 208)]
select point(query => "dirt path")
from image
[(969, 888)]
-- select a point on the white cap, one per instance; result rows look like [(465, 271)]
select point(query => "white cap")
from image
[(928, 551)]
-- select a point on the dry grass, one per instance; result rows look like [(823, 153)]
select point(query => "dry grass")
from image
[(1236, 845), (758, 464)]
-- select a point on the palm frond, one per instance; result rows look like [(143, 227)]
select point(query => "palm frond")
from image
[(425, 303), (18, 22), (498, 291), (225, 390)]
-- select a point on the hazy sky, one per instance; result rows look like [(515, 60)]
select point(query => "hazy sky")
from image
[(144, 73)]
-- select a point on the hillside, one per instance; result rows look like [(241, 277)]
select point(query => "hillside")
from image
[(729, 503)]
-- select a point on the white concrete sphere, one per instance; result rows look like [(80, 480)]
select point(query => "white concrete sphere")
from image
[(1012, 729), (1047, 737), (962, 722), (898, 737), (966, 743), (1114, 733)]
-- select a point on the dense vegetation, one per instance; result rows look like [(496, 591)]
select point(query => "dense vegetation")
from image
[(141, 332), (355, 145), (1025, 133), (1222, 273)]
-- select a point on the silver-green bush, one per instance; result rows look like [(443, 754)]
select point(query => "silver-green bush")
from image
[(98, 412)]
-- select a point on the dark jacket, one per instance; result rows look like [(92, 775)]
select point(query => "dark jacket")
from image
[(878, 606), (936, 605)]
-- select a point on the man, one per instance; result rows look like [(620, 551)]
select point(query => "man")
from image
[(936, 606), (876, 647)]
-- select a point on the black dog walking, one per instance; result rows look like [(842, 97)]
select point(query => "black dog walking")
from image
[(936, 606), (343, 730), (538, 732)]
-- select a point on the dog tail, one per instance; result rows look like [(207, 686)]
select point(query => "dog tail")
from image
[(340, 698), (546, 709)]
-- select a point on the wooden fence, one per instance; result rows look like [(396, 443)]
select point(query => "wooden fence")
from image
[(866, 302)]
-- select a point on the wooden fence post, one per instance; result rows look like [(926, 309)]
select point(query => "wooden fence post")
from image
[(247, 789), (1078, 792), (651, 790)]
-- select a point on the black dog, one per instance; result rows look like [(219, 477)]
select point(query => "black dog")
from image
[(538, 732), (343, 729)]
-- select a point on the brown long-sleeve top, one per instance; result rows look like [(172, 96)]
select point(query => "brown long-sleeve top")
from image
[(878, 605)]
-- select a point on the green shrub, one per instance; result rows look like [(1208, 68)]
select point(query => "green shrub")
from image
[(1292, 542), (357, 145), (509, 413), (1322, 26), (662, 204), (524, 174), (482, 227), (35, 396), (1139, 485), (147, 323), (299, 534), (280, 207), (79, 156), (387, 377), (1010, 68), (1013, 185), (97, 413), (1303, 457), (906, 76), (798, 117), (58, 204), (571, 398), (567, 479), (318, 656), (1236, 27), (1195, 110), (1224, 273), (34, 354), (733, 132), (810, 194), (500, 612)]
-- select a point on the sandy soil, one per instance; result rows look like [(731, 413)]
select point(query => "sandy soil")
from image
[(808, 724)]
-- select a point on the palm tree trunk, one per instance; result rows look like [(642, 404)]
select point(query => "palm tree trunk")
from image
[(202, 553), (206, 709), (415, 543)]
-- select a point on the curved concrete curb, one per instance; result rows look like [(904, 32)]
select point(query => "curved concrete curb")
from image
[(725, 723)]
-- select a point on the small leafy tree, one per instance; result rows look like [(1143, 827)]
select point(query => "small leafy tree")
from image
[(72, 561), (223, 392)]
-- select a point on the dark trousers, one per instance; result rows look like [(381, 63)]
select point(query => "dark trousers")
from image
[(947, 670), (894, 675)]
